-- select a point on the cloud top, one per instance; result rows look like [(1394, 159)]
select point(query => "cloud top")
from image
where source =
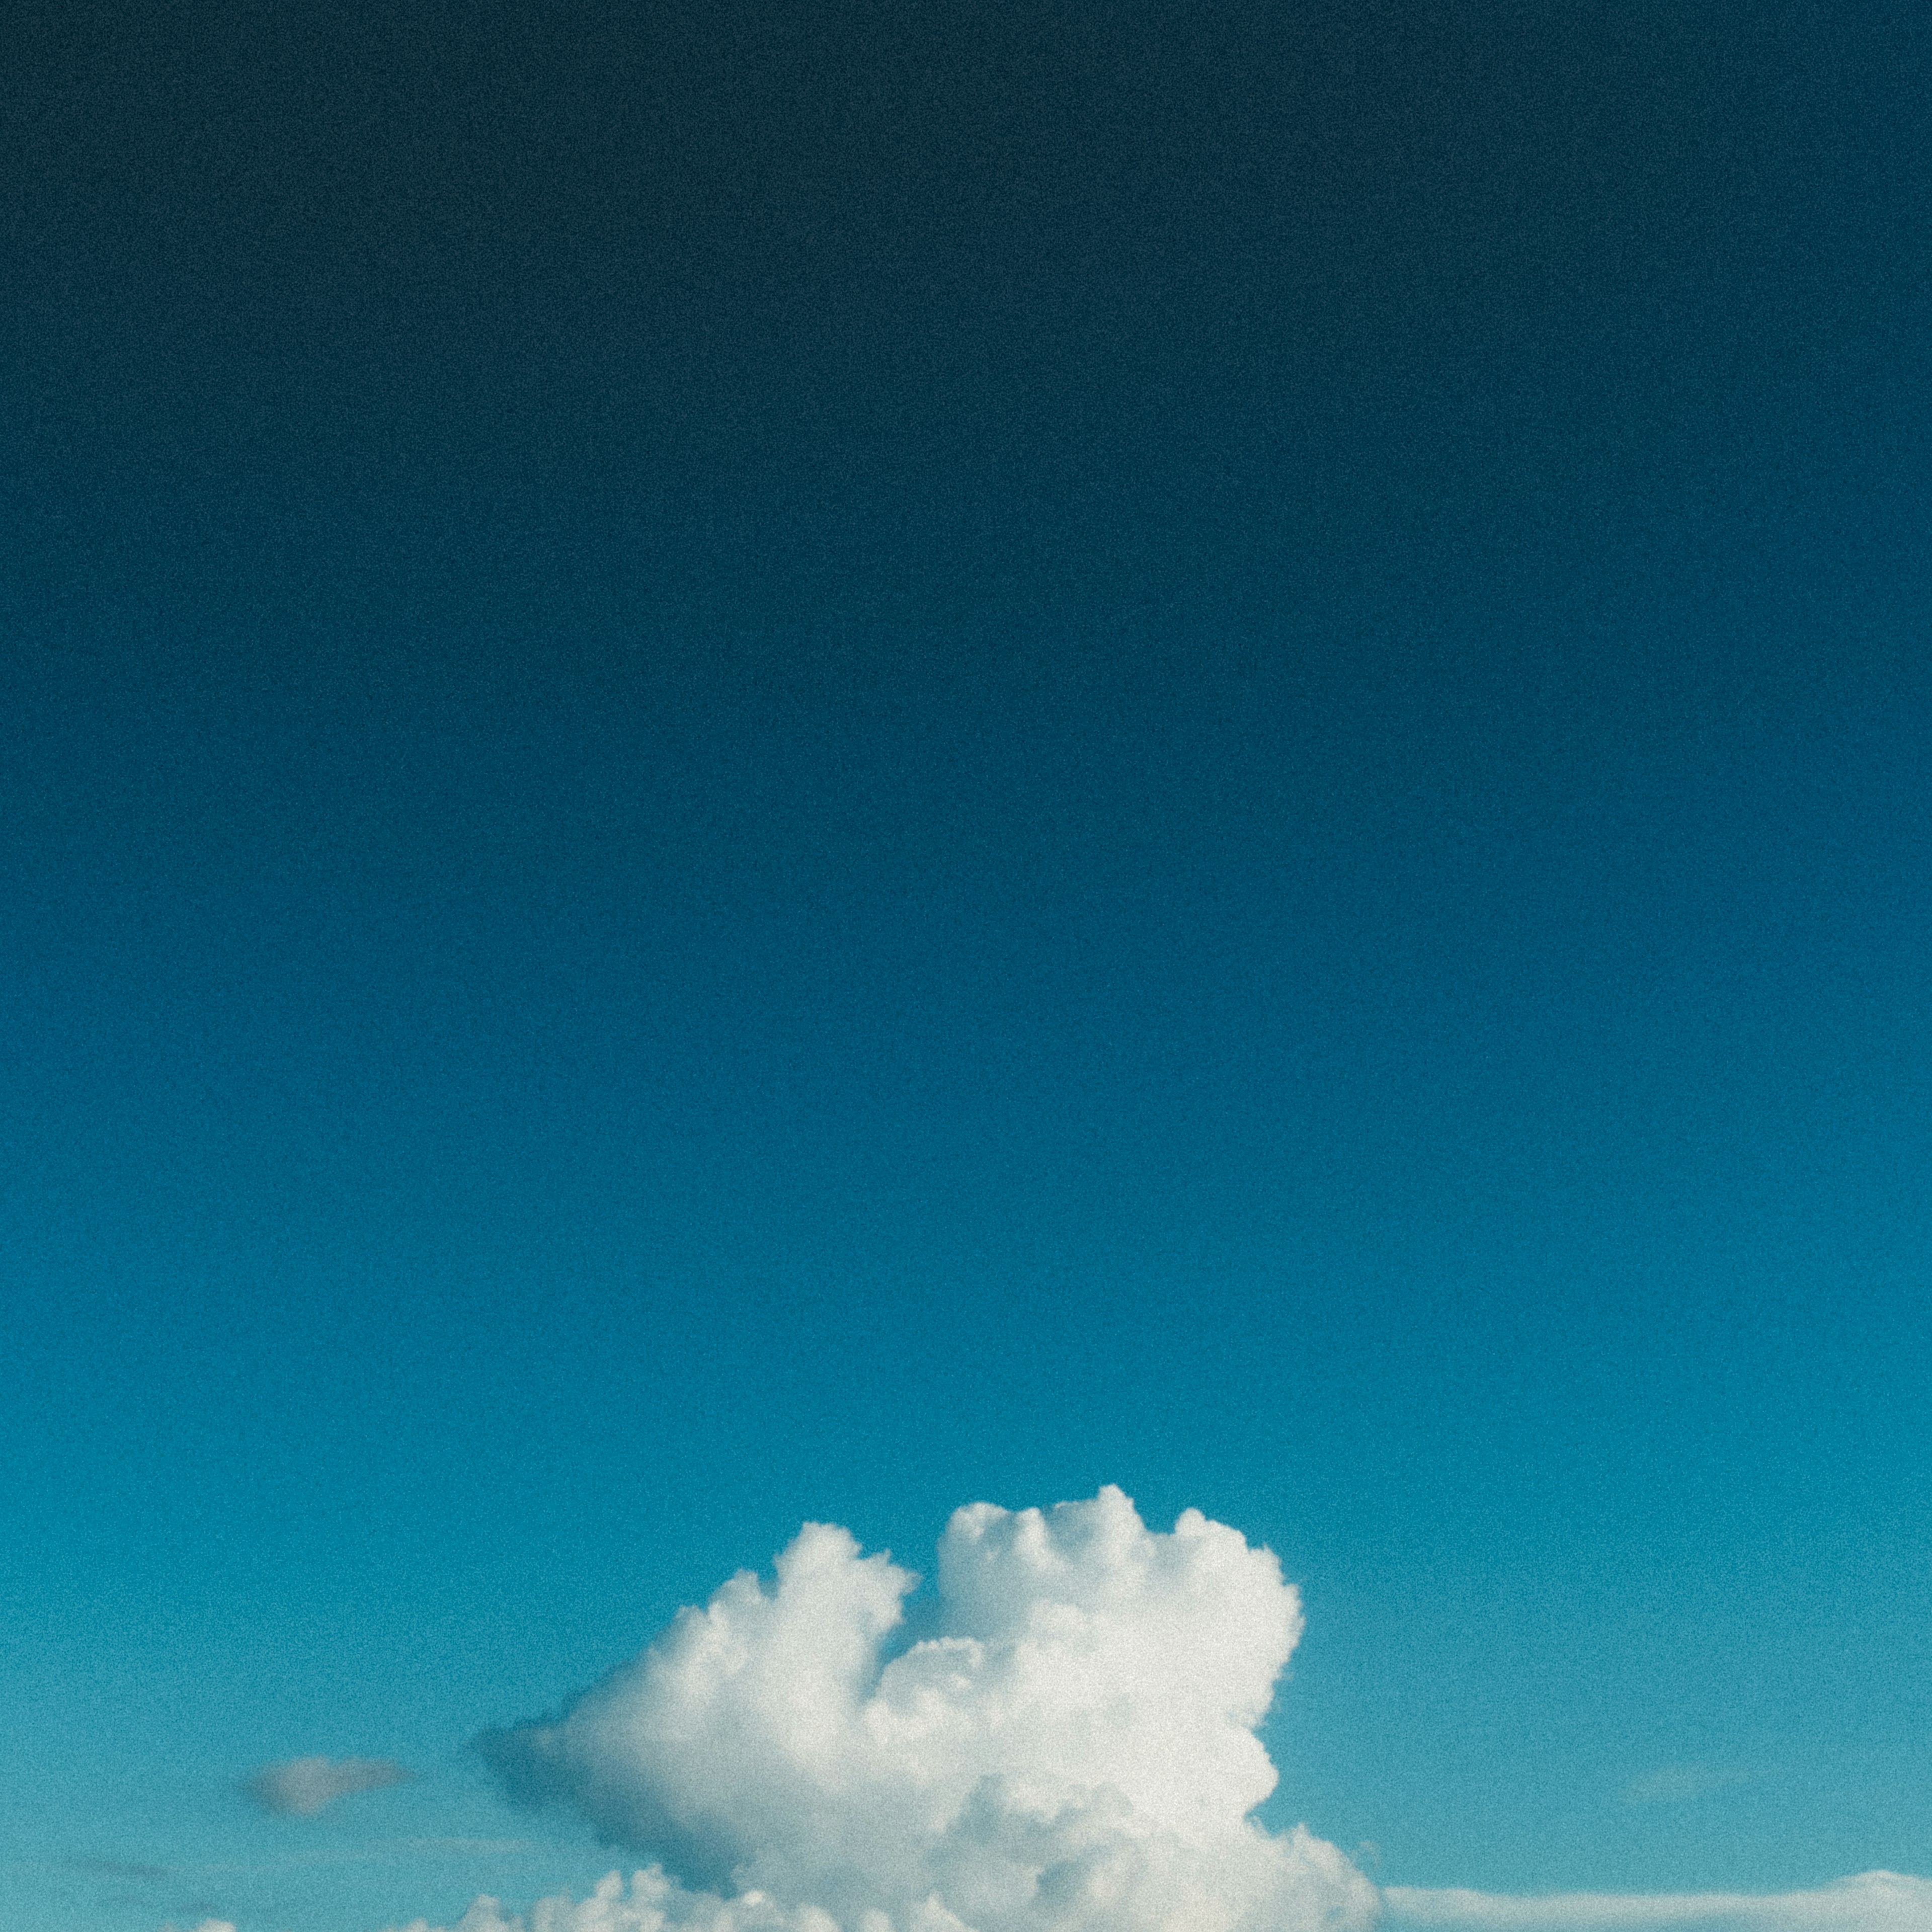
[(301, 1787), (1074, 1748)]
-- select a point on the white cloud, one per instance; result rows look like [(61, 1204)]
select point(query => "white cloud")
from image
[(1075, 1749), (303, 1785), (1873, 1902)]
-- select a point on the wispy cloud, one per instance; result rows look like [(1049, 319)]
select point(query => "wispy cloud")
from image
[(457, 1848), (1873, 1902), (116, 1868), (1678, 1783), (301, 1787), (379, 1852)]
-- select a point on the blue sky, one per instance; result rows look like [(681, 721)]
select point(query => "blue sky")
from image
[(771, 764)]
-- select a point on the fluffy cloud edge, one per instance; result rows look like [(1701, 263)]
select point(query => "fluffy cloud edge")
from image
[(1075, 1746)]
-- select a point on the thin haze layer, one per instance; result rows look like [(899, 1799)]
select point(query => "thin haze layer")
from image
[(1872, 1902)]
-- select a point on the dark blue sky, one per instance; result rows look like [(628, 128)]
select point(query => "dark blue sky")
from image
[(773, 761)]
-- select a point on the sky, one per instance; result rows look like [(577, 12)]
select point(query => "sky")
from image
[(768, 765)]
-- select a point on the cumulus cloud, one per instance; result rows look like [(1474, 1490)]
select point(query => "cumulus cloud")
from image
[(1075, 1748), (1873, 1902), (303, 1785)]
